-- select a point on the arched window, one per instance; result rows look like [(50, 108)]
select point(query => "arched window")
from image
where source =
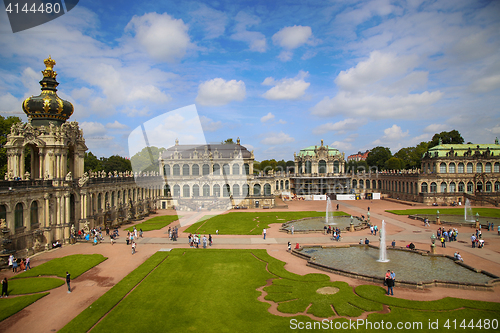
[(497, 186), (460, 168), (287, 185), (479, 186), (336, 167), (177, 191), (236, 169), (177, 170), (185, 170), (19, 216), (479, 167), (308, 166), (245, 190), (453, 187), (216, 190), (246, 168), (433, 187), (442, 167), (469, 168), (196, 191), (444, 187), (470, 187), (300, 167), (368, 184), (196, 170), (226, 169), (267, 189), (236, 190), (206, 169), (322, 166), (99, 201), (451, 168), (206, 190), (361, 184), (216, 169), (379, 184), (185, 191), (277, 185), (374, 184), (256, 189), (166, 190), (119, 198), (226, 190), (34, 213), (3, 213), (354, 183), (496, 167), (461, 187), (423, 187), (166, 170), (281, 184), (487, 167), (488, 186), (112, 199)]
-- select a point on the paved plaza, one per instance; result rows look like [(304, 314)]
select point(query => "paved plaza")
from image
[(52, 312)]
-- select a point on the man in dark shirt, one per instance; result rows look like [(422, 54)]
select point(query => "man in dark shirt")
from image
[(68, 279)]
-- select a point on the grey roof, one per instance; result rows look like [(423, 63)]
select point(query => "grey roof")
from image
[(225, 150)]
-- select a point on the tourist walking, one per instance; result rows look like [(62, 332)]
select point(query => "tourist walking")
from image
[(209, 239), (264, 231), (443, 244), (11, 261), (5, 287), (68, 280), (473, 240), (28, 267), (133, 247)]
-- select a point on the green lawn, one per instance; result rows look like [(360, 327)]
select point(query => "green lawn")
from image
[(12, 305), (215, 291), (155, 223), (241, 223), (486, 212), (75, 264), (33, 285)]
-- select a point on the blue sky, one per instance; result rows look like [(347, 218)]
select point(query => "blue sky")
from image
[(279, 75)]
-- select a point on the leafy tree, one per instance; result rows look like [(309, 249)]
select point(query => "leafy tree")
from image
[(91, 163), (394, 163), (146, 159), (5, 125), (356, 166), (228, 141), (447, 138), (117, 163), (378, 156)]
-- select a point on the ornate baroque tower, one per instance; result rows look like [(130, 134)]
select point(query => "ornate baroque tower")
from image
[(57, 147)]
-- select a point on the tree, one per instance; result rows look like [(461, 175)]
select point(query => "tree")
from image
[(378, 156), (146, 159), (394, 163), (91, 163), (5, 125), (451, 137), (117, 163), (356, 166), (228, 141)]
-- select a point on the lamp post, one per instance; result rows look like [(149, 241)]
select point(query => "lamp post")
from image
[(351, 225), (438, 220), (477, 220), (433, 245)]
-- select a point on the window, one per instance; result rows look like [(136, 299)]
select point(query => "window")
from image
[(206, 190), (281, 185), (185, 191), (185, 170), (487, 167), (256, 189), (497, 186), (196, 191), (460, 168), (236, 169), (287, 185), (3, 213), (226, 190), (226, 169), (470, 187), (423, 187), (354, 183), (496, 167), (216, 190), (177, 170), (433, 187), (34, 213), (443, 188), (177, 191), (488, 186), (469, 167), (267, 189), (236, 190), (246, 190), (461, 187), (453, 187), (216, 170), (442, 167), (308, 166), (336, 167), (322, 166), (206, 169), (19, 216), (166, 170), (479, 168), (451, 168), (246, 168), (166, 190), (196, 170)]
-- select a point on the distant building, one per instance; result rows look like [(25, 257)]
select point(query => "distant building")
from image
[(358, 157)]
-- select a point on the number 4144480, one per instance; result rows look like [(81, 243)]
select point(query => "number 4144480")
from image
[(47, 8)]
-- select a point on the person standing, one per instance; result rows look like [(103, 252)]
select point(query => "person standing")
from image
[(210, 239), (264, 231), (133, 247), (204, 241), (443, 244), (28, 267), (68, 280), (389, 282), (473, 240), (5, 287), (289, 246), (11, 261)]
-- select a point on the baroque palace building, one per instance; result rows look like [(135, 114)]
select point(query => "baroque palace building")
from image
[(56, 197)]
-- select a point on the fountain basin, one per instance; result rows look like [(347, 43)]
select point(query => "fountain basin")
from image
[(317, 224), (456, 219), (413, 269)]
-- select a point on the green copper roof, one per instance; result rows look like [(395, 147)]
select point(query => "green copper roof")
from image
[(310, 151), (460, 149)]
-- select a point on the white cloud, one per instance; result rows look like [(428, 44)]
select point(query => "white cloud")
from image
[(165, 38), (485, 84), (219, 92), (292, 37), (495, 129), (349, 124), (341, 146), (436, 128), (285, 56), (116, 125), (91, 129), (10, 104), (277, 139), (393, 134), (209, 125), (281, 121), (267, 117), (256, 40), (380, 87), (291, 89), (213, 21)]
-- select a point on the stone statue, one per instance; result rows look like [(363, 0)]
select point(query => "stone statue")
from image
[(46, 176), (69, 176), (27, 176)]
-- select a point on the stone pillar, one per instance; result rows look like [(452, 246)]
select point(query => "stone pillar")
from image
[(438, 221), (66, 221), (46, 210)]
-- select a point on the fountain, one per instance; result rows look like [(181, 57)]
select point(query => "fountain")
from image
[(382, 257), (468, 212), (329, 212)]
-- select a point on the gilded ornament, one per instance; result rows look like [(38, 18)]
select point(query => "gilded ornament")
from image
[(46, 104)]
